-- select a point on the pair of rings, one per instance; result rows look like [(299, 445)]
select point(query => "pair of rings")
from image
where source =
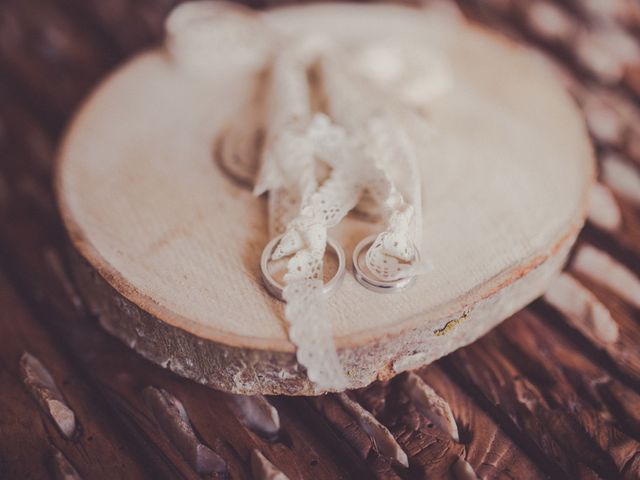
[(360, 270)]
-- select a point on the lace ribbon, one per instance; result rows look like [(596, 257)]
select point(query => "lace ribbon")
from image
[(304, 207), (368, 154)]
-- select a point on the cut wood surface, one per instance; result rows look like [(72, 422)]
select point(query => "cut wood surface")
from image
[(176, 242), (535, 398)]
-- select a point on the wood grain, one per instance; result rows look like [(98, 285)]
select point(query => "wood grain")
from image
[(40, 314)]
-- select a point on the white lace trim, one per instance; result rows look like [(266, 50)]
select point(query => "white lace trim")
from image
[(304, 208), (369, 152)]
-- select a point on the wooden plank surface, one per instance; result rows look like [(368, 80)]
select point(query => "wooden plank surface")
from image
[(540, 396)]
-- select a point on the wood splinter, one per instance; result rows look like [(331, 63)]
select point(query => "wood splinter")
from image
[(431, 405), (605, 270), (263, 469), (174, 421), (380, 435), (62, 468), (583, 310), (257, 414), (44, 390)]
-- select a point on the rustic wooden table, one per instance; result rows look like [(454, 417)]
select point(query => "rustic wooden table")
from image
[(553, 392)]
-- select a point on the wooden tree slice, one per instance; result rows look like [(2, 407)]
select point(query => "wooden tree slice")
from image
[(169, 244)]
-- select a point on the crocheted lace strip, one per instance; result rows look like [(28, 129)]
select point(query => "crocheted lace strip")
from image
[(304, 208), (387, 167)]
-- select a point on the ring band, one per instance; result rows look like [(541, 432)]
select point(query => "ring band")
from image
[(373, 284), (275, 288)]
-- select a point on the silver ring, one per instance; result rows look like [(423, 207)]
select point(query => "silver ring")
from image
[(276, 288), (373, 284)]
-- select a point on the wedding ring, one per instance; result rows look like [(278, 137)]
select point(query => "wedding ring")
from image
[(365, 277), (275, 288)]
